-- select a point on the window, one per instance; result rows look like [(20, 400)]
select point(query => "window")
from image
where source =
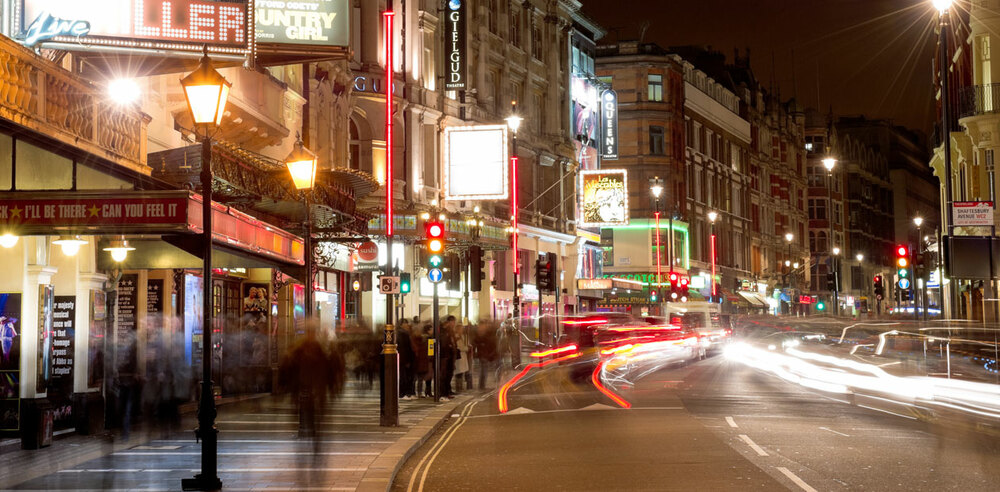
[(655, 84), (515, 27), (536, 41), (515, 92), (354, 159), (656, 140), (817, 208), (539, 102), (491, 16)]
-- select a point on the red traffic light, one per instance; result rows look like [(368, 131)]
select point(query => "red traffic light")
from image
[(673, 278), (684, 280), (434, 230), (901, 251)]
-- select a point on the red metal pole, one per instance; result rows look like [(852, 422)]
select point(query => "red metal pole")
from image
[(714, 289), (514, 208), (658, 278), (387, 29)]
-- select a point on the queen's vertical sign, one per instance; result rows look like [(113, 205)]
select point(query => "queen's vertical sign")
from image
[(454, 45), (609, 125)]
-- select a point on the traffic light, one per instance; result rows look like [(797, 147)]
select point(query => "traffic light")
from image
[(821, 306), (545, 272), (831, 282), (652, 296), (475, 268), (903, 268), (878, 286), (404, 283), (453, 274), (434, 241), (675, 291), (682, 290)]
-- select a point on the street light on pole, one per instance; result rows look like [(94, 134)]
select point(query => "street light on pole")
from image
[(712, 217), (206, 91), (829, 163), (514, 123), (656, 188), (920, 283), (789, 237), (301, 164), (943, 7)]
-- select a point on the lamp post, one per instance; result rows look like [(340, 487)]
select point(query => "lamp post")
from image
[(206, 91), (514, 123), (788, 269), (835, 260), (829, 163), (919, 287), (712, 217), (301, 164), (943, 6), (860, 257), (656, 188), (389, 399)]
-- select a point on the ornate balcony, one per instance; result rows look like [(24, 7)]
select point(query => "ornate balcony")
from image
[(40, 95), (979, 99)]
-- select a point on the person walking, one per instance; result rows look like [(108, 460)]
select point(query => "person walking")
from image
[(407, 360), (485, 347), (425, 363), (308, 374), (448, 352), (463, 361)]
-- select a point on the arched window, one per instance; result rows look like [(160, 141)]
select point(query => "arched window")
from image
[(355, 146), (812, 241)]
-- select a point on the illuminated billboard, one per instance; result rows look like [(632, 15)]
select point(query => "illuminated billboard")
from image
[(603, 197), (475, 162), (303, 22), (141, 24)]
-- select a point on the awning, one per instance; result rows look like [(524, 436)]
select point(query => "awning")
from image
[(753, 298)]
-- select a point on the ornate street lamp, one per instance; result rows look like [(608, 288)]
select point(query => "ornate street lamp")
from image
[(206, 91), (656, 188), (712, 217), (301, 164), (514, 123)]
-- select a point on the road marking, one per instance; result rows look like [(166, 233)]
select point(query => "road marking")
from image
[(889, 364), (291, 422), (794, 478), (293, 431), (888, 412), (438, 446), (835, 432), (221, 470), (731, 422), (271, 441), (760, 451), (247, 453)]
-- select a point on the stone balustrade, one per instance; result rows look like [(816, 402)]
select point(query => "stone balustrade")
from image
[(40, 95)]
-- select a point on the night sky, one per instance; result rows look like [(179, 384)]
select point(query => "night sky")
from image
[(870, 57)]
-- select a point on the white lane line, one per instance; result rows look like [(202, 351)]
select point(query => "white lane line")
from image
[(731, 422), (835, 432), (248, 453), (794, 478), (274, 441), (293, 431), (221, 470), (291, 422), (760, 451), (888, 412)]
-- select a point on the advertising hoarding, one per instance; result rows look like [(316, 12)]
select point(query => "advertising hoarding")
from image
[(603, 197), (10, 361), (972, 213), (454, 45), (475, 162), (146, 24), (303, 22)]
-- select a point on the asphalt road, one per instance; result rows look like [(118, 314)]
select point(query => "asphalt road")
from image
[(711, 425)]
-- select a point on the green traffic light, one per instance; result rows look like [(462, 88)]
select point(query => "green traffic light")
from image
[(404, 287), (820, 306), (903, 272), (435, 261)]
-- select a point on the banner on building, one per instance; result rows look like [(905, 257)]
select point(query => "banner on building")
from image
[(185, 25), (303, 22), (475, 162), (972, 213), (98, 334), (10, 361), (604, 198), (256, 306), (609, 125), (454, 45), (63, 340)]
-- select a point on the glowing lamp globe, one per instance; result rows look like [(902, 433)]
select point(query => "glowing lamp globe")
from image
[(302, 163), (70, 244), (8, 240), (206, 91)]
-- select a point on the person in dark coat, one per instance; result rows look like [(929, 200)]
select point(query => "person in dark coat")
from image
[(425, 363), (484, 345), (407, 360), (308, 373), (449, 352)]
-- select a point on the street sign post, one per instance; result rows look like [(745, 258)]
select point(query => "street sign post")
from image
[(435, 275)]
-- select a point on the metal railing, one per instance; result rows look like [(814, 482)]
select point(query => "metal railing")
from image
[(40, 95), (978, 99)]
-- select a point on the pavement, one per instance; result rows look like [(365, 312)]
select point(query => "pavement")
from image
[(259, 449)]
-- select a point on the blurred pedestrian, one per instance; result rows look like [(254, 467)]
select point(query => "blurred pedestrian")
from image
[(463, 363), (425, 362), (308, 374), (448, 352), (407, 360), (485, 346)]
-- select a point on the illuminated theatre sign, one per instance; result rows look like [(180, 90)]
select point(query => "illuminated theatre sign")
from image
[(147, 24), (304, 22), (604, 197)]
